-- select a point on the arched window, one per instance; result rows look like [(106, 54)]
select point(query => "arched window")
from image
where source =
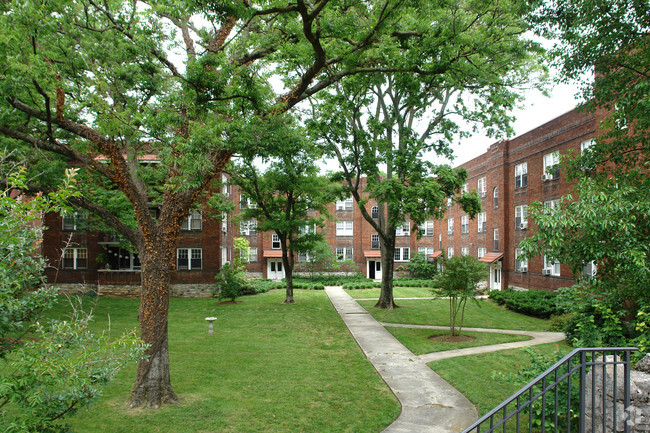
[(374, 212), (495, 197)]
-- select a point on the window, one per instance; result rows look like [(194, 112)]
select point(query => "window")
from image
[(450, 252), (374, 212), (344, 204), (495, 197), (426, 229), (551, 267), (252, 255), (521, 263), (481, 252), (304, 257), (464, 251), (225, 188), (344, 228), (307, 229), (246, 203), (449, 201), (521, 217), (495, 240), (248, 228), (224, 222), (482, 188), (275, 242), (224, 255), (521, 175), (193, 221), (75, 258), (403, 230), (402, 254), (590, 269), (550, 205), (189, 258), (482, 222), (425, 250), (464, 189), (439, 241), (464, 224), (374, 242), (75, 221), (343, 254), (551, 162), (450, 226), (585, 145)]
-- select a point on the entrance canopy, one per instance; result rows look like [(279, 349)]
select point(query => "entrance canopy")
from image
[(491, 257), (273, 253), (372, 254), (436, 255)]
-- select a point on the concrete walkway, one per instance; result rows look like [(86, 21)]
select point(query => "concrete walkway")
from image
[(429, 403)]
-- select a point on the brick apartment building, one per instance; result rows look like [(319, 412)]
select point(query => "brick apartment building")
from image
[(509, 176)]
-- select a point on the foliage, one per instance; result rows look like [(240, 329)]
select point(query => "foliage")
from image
[(536, 303), (255, 286), (333, 280), (48, 369), (368, 284), (459, 281), (414, 282), (539, 363), (420, 267), (321, 260), (230, 281), (380, 129)]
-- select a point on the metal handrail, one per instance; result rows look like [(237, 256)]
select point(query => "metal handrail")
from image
[(550, 380)]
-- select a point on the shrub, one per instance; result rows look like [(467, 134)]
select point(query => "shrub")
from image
[(420, 267), (412, 282), (330, 280), (368, 284), (534, 303), (229, 282)]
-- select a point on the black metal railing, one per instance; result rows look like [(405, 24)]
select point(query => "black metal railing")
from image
[(580, 393)]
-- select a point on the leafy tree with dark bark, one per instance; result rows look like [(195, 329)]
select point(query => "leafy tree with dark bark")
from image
[(188, 81), (289, 194), (472, 60)]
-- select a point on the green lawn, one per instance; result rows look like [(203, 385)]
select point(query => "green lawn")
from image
[(269, 367), (398, 292), (418, 342), (436, 312), (474, 375)]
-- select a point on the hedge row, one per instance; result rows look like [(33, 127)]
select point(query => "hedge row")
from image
[(534, 303), (412, 282)]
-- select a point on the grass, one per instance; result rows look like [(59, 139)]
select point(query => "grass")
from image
[(269, 367), (485, 314), (398, 292), (418, 342), (474, 375)]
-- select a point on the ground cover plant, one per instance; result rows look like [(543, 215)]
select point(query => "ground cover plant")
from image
[(534, 303), (419, 340), (269, 367), (484, 387), (331, 280), (483, 314)]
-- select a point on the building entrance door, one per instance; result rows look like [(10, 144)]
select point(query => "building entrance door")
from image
[(374, 269), (275, 270), (495, 276)]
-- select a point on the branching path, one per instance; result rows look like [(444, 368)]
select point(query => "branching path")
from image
[(429, 403)]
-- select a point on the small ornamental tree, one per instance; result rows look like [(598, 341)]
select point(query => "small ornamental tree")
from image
[(48, 369), (232, 276), (459, 281), (421, 267)]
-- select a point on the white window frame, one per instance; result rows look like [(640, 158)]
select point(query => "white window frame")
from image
[(464, 251), (586, 144), (345, 204), (248, 228), (450, 252), (403, 230), (481, 184), (75, 221), (426, 229), (551, 166), (193, 222), (344, 253), (521, 175), (521, 263), (554, 266), (374, 241), (224, 222), (481, 251), (450, 226), (191, 255), (482, 222), (344, 228), (464, 189), (464, 224), (307, 229), (402, 254), (495, 239), (427, 251), (246, 202), (77, 256), (252, 255), (275, 242), (521, 217), (374, 212), (495, 197)]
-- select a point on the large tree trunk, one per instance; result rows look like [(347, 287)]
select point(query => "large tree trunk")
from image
[(287, 260), (152, 386), (386, 300)]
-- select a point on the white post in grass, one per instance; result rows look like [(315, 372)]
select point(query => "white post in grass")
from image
[(210, 320)]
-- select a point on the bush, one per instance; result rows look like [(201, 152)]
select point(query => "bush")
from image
[(330, 280), (412, 282), (534, 303), (230, 282), (420, 267)]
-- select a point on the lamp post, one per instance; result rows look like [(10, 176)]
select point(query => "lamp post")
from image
[(210, 320)]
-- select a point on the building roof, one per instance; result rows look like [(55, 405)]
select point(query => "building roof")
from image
[(491, 257), (373, 254), (436, 254), (272, 253)]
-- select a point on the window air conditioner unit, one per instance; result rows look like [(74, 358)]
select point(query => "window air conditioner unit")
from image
[(524, 269), (546, 272), (523, 225)]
